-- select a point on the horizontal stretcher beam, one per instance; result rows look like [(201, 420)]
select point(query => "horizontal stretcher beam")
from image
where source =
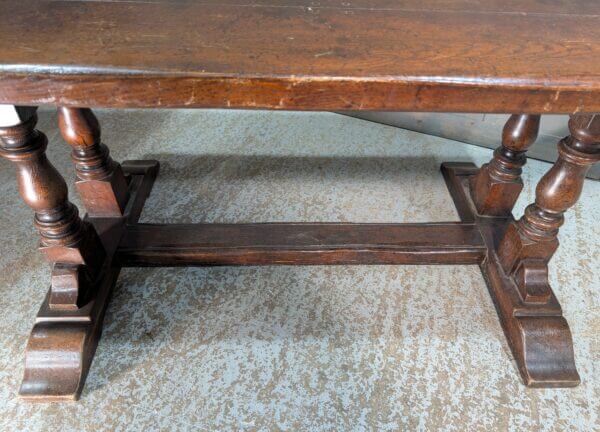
[(300, 244)]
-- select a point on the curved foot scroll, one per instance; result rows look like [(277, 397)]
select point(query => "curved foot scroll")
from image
[(58, 359), (530, 314), (543, 349), (63, 341), (537, 333)]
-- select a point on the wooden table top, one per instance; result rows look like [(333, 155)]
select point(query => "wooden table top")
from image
[(535, 56)]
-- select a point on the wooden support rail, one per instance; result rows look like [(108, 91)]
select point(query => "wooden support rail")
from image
[(300, 244)]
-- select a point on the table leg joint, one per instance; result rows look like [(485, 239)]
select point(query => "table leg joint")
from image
[(68, 327), (531, 317)]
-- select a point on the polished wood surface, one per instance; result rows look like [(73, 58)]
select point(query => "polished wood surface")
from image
[(88, 254), (537, 333), (71, 245), (300, 244), (530, 243), (100, 180), (63, 340), (529, 56), (496, 188), (526, 58)]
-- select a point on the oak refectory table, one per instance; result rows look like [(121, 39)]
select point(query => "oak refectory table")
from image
[(526, 58)]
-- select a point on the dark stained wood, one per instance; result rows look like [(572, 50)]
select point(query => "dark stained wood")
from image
[(526, 57), (454, 182), (530, 243), (300, 244), (63, 342), (529, 312), (538, 335), (101, 183), (496, 188), (42, 187), (69, 244)]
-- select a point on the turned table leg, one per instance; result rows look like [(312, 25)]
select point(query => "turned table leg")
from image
[(69, 322), (497, 186), (516, 264), (70, 244), (539, 335), (100, 180), (529, 243)]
